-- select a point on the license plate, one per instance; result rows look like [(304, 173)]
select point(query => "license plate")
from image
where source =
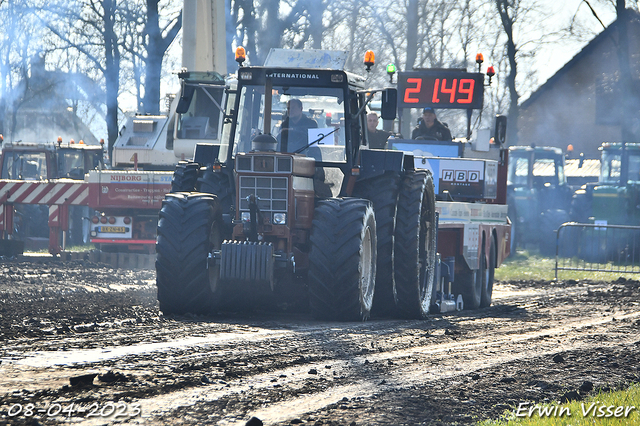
[(113, 229)]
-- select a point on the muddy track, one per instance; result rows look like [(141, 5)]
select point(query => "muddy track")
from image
[(84, 334)]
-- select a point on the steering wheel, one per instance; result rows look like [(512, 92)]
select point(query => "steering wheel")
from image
[(426, 138)]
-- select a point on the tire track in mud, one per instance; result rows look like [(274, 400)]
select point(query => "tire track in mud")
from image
[(358, 371), (412, 366)]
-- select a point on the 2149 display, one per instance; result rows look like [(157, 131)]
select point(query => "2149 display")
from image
[(445, 89)]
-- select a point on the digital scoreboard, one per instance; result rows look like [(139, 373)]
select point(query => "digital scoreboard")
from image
[(440, 89)]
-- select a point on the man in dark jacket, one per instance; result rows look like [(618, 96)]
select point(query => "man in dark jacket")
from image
[(377, 138), (295, 126), (430, 128)]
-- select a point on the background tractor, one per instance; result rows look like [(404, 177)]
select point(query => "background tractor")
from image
[(538, 196)]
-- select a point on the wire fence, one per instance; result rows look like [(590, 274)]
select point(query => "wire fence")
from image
[(597, 248)]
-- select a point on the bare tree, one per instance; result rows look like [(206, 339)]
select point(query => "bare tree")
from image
[(91, 28), (18, 44), (507, 11), (158, 39), (265, 24)]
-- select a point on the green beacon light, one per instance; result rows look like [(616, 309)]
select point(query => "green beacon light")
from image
[(391, 70)]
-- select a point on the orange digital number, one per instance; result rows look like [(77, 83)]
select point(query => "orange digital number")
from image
[(434, 97), (409, 90), (466, 87), (450, 90)]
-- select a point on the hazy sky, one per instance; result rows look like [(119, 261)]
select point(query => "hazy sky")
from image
[(554, 57), (549, 58)]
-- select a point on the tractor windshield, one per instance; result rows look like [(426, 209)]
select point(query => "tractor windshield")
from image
[(547, 169), (71, 163), (24, 165), (306, 120), (518, 170), (611, 164), (200, 112)]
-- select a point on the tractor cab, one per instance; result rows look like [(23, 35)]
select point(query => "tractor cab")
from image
[(311, 108), (37, 161)]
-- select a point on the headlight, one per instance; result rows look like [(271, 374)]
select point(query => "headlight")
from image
[(245, 217), (279, 218)]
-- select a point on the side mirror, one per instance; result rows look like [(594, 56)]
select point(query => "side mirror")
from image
[(500, 132), (186, 93), (206, 153), (389, 104)]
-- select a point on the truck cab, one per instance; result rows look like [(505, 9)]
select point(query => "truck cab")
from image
[(158, 142), (45, 163), (37, 161)]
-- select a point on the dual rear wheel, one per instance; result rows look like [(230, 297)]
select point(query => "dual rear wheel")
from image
[(342, 260), (190, 227)]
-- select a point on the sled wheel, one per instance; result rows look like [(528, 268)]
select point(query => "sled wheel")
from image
[(342, 260), (470, 283), (488, 276), (467, 284)]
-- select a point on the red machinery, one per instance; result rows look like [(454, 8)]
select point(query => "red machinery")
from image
[(123, 204)]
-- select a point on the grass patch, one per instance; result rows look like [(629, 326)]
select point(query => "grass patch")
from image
[(598, 410), (530, 266)]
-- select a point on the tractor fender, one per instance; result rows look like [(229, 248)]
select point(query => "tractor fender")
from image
[(376, 162)]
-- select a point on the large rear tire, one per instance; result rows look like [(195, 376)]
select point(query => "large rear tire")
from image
[(342, 260), (415, 245), (188, 230), (216, 183), (382, 191), (185, 177)]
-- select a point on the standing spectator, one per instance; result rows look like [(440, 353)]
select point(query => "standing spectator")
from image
[(377, 138)]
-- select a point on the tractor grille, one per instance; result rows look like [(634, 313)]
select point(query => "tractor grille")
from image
[(271, 193)]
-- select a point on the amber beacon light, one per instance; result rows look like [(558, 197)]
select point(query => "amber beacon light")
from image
[(369, 59), (241, 55), (479, 60)]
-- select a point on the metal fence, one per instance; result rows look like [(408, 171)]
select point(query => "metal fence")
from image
[(598, 248)]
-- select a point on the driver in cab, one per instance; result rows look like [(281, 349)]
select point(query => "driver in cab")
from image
[(429, 128), (294, 127)]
